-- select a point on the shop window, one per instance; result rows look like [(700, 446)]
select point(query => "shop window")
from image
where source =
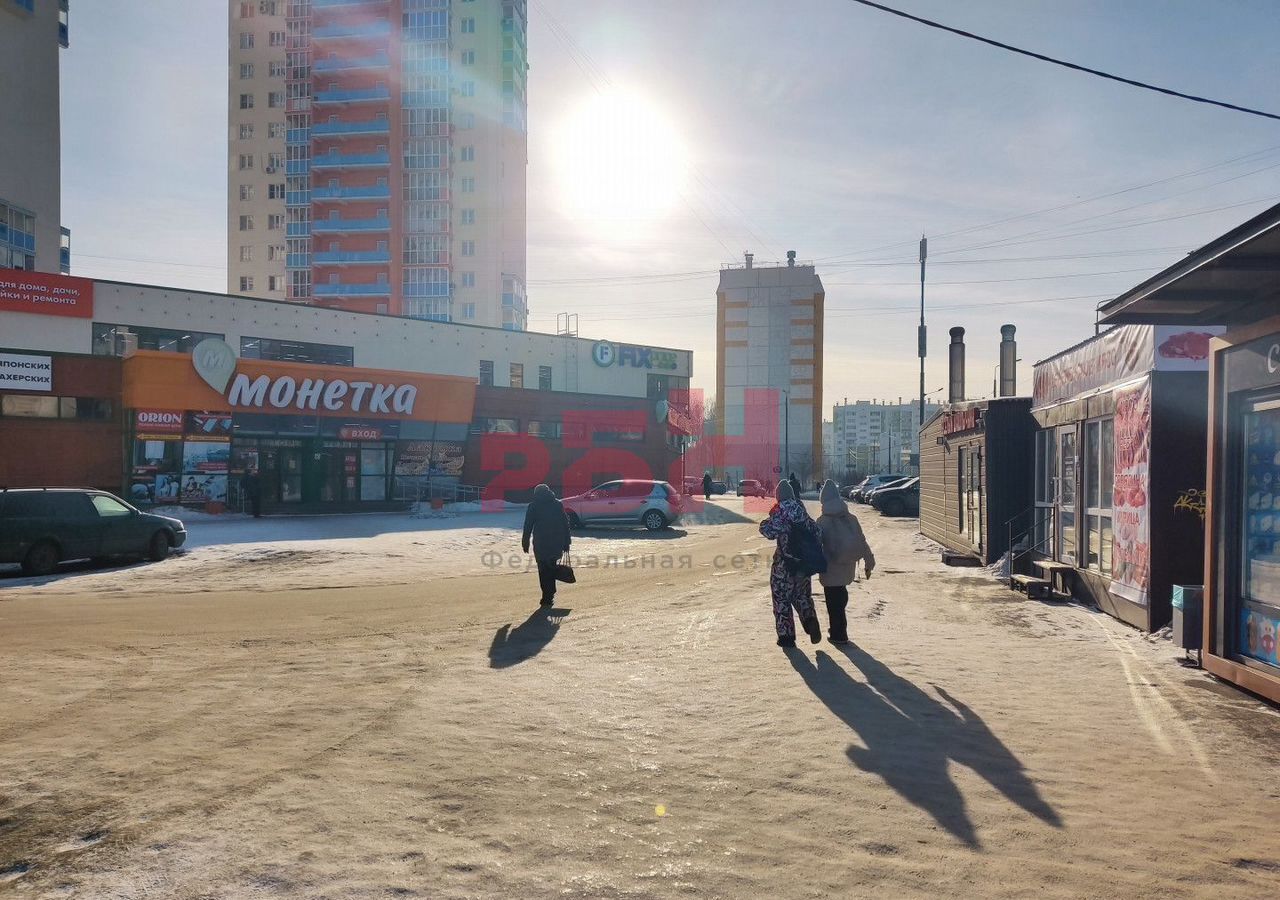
[(114, 340), (1042, 524), (487, 425), (544, 429), (1099, 476), (517, 375), (296, 351), (486, 372), (27, 407), (544, 378)]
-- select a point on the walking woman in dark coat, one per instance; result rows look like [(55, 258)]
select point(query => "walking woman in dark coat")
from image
[(546, 522), (790, 589)]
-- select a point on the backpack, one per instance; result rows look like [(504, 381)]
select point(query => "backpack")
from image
[(804, 551)]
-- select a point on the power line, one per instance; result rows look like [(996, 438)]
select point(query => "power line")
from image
[(1062, 62)]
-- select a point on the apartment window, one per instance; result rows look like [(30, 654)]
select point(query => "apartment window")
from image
[(275, 129), (277, 70), (275, 253), (467, 121), (246, 223), (246, 282), (246, 132), (246, 101), (246, 40), (469, 279), (468, 185), (246, 70), (275, 221), (468, 248), (544, 378), (275, 99), (517, 375), (246, 254), (246, 10), (246, 191), (275, 161), (468, 26), (468, 88), (486, 371), (277, 39), (468, 57), (275, 192), (468, 154), (468, 217), (468, 310), (296, 351), (268, 7)]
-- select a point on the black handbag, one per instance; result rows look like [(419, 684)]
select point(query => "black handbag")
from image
[(564, 571)]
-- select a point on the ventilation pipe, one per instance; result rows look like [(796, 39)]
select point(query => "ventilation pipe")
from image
[(1008, 361), (750, 257), (955, 393)]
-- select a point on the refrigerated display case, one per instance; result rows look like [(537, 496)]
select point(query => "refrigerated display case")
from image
[(1257, 602)]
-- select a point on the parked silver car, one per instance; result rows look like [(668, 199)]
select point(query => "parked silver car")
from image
[(653, 504)]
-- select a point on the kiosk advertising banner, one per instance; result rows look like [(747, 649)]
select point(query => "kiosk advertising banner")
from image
[(1131, 554)]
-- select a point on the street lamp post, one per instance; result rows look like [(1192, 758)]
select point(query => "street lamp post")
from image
[(786, 446), (995, 391), (924, 252)]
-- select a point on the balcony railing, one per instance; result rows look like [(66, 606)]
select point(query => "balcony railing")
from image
[(342, 64), (338, 129), (297, 166), (345, 226), (363, 192), (351, 161), (367, 95), (351, 257), (334, 4), (338, 31), (378, 289), (297, 229)]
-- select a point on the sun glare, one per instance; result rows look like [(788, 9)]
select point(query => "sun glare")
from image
[(622, 161)]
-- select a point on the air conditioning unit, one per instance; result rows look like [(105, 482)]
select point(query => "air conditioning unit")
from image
[(126, 343), (271, 170)]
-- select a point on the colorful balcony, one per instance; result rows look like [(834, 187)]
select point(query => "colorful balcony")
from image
[(375, 28), (351, 161), (377, 289), (366, 95), (351, 257), (363, 192), (351, 63), (349, 226), (344, 129)]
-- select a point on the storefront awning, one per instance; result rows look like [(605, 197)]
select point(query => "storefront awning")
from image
[(1235, 278)]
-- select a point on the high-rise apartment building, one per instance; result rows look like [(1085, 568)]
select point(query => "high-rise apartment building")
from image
[(769, 322), (872, 437), (31, 232), (378, 156)]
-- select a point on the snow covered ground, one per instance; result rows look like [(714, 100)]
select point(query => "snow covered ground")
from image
[(237, 552)]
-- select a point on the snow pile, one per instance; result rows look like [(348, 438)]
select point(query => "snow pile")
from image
[(452, 510), (195, 515)]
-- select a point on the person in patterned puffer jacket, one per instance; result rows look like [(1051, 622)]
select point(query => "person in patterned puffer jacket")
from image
[(790, 589)]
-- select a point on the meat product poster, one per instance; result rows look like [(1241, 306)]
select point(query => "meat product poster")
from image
[(1131, 551)]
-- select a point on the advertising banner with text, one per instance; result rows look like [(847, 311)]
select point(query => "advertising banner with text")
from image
[(45, 295), (1131, 550)]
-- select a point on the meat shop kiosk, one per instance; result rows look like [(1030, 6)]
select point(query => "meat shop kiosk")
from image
[(1234, 281)]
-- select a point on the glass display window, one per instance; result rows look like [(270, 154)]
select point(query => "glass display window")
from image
[(1259, 607)]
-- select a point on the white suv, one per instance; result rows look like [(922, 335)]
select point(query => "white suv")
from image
[(653, 504)]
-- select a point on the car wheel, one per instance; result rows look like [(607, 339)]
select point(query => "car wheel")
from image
[(654, 520), (42, 559), (158, 547), (574, 521), (892, 507)]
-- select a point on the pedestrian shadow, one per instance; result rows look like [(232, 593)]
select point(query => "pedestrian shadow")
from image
[(512, 646), (909, 738)]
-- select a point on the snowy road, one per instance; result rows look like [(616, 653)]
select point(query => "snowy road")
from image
[(417, 727)]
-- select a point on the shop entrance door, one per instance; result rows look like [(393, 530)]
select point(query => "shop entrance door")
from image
[(1066, 514)]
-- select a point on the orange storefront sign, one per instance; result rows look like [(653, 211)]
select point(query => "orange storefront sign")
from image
[(45, 295), (160, 381)]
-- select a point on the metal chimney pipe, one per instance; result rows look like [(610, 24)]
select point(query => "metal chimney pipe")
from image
[(1008, 361), (955, 394)]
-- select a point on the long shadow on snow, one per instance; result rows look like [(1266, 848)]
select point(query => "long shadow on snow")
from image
[(910, 737), (512, 646)]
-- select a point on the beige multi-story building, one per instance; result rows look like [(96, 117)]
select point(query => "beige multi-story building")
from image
[(31, 233), (378, 156), (769, 322)]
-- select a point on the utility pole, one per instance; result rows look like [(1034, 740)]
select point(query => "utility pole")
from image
[(924, 252)]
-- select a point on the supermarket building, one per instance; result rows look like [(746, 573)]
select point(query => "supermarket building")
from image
[(336, 410)]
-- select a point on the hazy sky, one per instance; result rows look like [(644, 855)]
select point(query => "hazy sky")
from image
[(815, 125)]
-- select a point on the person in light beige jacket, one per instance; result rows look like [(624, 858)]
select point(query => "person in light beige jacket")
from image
[(844, 544)]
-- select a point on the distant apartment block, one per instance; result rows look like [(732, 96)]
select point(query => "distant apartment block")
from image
[(769, 322), (873, 437), (377, 156), (31, 232)]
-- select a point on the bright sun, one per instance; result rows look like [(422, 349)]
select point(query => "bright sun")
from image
[(620, 159)]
